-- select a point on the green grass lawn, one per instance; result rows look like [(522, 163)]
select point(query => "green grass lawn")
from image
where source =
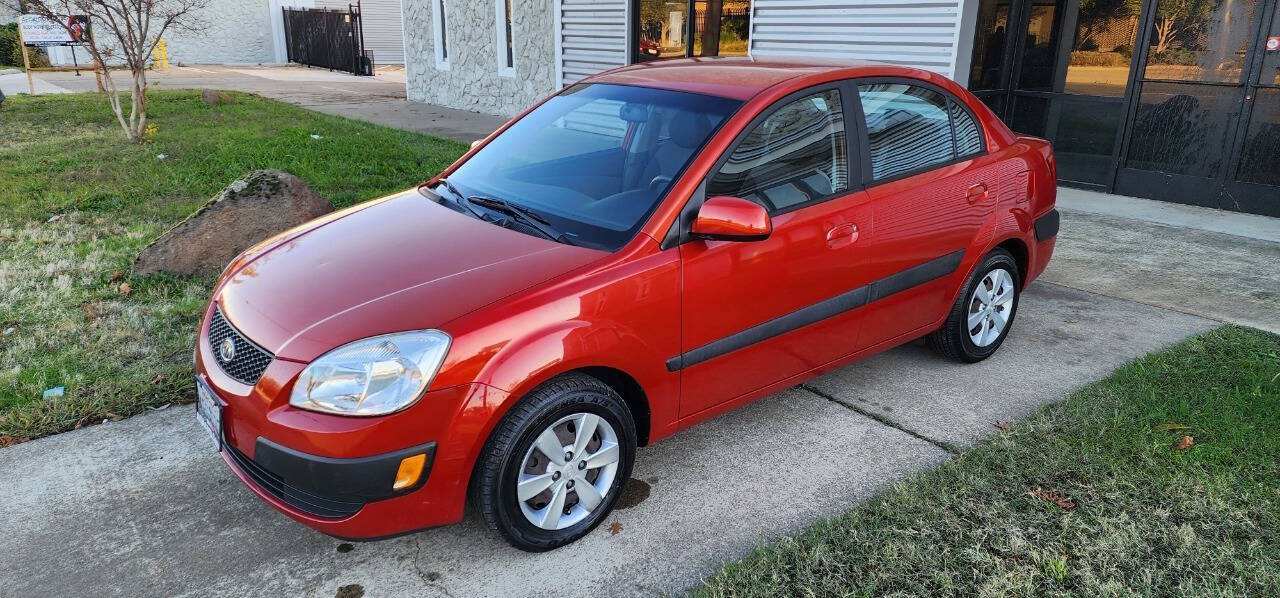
[(1139, 516), (63, 318)]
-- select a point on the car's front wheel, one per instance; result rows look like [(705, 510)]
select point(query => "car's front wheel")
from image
[(556, 463), (983, 313)]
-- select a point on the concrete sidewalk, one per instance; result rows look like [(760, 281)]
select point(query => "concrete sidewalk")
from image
[(379, 99)]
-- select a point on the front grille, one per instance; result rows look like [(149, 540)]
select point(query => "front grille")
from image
[(312, 504), (248, 361)]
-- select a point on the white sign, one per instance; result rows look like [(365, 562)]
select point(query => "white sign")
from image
[(39, 31)]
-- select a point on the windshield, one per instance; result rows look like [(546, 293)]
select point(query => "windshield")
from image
[(594, 161)]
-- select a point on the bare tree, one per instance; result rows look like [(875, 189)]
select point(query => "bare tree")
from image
[(132, 28)]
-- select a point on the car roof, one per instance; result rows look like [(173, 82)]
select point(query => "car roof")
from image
[(742, 77)]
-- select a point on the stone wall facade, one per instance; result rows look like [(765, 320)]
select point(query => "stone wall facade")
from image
[(473, 81)]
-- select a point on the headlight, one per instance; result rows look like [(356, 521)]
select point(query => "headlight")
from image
[(373, 376)]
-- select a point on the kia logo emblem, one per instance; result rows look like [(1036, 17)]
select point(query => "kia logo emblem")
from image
[(227, 350)]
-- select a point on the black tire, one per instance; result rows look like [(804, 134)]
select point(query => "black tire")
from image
[(493, 483), (952, 339)]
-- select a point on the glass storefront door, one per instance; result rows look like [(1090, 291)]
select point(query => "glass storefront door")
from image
[(1059, 69), (1170, 99), (682, 28), (1195, 105)]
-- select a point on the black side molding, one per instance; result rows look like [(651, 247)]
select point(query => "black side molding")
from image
[(1047, 226), (849, 300)]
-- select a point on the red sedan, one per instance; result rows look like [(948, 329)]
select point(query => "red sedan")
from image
[(640, 252)]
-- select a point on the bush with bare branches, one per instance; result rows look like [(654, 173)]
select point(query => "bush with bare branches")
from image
[(123, 31)]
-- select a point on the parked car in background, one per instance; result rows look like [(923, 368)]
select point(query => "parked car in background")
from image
[(642, 251)]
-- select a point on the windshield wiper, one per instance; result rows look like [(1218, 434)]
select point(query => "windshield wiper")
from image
[(461, 200), (526, 216)]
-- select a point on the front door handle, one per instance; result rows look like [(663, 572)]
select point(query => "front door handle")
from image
[(977, 193), (841, 235)]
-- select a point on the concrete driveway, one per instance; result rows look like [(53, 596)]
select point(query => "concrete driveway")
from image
[(141, 507)]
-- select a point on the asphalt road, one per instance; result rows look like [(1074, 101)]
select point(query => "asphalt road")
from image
[(142, 507)]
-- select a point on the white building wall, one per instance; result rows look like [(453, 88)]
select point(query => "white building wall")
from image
[(918, 33), (231, 32), (383, 28), (591, 36), (471, 78)]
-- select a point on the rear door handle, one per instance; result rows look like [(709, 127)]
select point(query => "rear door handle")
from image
[(842, 234), (977, 193)]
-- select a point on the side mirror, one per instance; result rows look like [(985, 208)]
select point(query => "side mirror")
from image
[(727, 218)]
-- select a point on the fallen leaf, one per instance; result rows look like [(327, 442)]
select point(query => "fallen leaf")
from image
[(117, 275), (615, 528), (1167, 426), (1183, 443), (5, 441), (1004, 426), (158, 379), (56, 217), (125, 289), (1053, 496)]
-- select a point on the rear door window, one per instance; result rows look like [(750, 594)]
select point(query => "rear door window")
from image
[(908, 127)]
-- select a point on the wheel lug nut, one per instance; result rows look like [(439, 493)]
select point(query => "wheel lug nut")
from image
[(582, 464), (569, 485), (555, 476), (568, 456)]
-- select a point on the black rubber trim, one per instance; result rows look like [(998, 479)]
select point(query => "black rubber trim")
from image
[(361, 480), (1047, 226), (911, 277)]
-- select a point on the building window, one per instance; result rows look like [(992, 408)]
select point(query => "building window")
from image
[(504, 47), (680, 28), (442, 36)]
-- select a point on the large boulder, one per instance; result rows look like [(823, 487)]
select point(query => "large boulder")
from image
[(261, 204)]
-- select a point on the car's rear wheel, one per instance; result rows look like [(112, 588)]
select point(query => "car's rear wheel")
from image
[(554, 466), (983, 313)]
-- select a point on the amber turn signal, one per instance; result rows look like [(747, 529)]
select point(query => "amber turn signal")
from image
[(409, 472)]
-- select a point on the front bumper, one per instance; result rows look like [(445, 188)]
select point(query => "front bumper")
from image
[(305, 464), (325, 487)]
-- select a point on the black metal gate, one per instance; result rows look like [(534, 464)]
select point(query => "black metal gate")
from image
[(332, 39)]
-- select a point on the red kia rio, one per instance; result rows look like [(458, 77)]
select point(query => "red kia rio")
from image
[(637, 253)]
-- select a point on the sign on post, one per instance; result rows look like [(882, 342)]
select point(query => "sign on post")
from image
[(38, 31)]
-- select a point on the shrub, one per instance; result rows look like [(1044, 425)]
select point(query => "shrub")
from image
[(11, 49)]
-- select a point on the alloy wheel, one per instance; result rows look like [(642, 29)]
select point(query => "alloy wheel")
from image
[(567, 471), (990, 307)]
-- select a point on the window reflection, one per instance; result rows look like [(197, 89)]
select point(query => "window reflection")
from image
[(908, 128), (1200, 40), (1105, 34), (719, 28), (795, 156), (663, 26), (989, 45)]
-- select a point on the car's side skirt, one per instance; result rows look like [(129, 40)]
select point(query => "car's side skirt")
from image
[(849, 300)]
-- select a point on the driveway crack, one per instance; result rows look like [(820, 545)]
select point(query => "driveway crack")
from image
[(942, 444)]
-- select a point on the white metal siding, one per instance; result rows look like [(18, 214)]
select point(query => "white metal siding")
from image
[(918, 33), (383, 29), (592, 37)]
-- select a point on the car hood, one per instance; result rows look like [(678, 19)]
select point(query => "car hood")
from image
[(400, 263)]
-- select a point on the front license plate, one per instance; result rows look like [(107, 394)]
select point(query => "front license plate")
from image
[(209, 413)]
